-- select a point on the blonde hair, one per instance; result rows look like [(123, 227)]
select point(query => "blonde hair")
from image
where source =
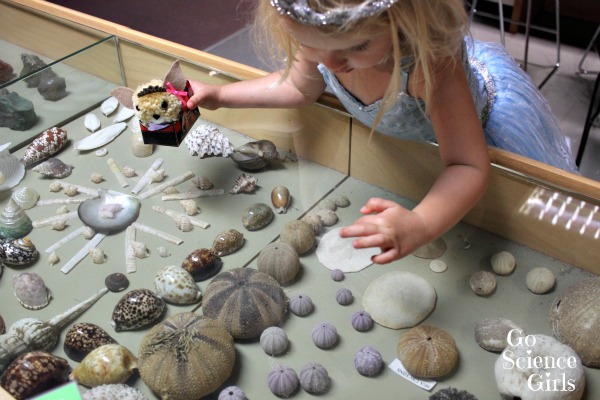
[(430, 32)]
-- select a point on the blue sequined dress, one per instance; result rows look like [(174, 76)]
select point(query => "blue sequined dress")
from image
[(513, 113)]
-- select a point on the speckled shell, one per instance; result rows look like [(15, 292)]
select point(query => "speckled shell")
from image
[(257, 216), (84, 337), (227, 242), (31, 291), (315, 379), (186, 357), (283, 381), (109, 363), (136, 309), (44, 145), (362, 321), (503, 263), (540, 280), (299, 234), (344, 296), (301, 305), (33, 373), (246, 301), (324, 335), (483, 283), (53, 168), (232, 393), (279, 260), (176, 285), (274, 341), (368, 361), (202, 264), (115, 391), (427, 352), (18, 251), (280, 198), (14, 222)]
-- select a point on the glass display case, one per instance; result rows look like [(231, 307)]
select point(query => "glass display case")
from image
[(323, 156)]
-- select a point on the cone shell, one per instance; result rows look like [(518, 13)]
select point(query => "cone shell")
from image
[(44, 146), (107, 364), (428, 352)]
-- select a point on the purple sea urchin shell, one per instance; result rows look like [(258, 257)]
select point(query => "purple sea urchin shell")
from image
[(301, 305), (274, 340), (232, 393), (362, 321), (315, 379), (344, 296), (324, 335), (368, 361), (283, 380), (337, 274)]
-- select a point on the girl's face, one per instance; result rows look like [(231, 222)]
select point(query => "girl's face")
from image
[(344, 52)]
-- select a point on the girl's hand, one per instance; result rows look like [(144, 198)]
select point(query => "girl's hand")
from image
[(205, 96), (389, 226)]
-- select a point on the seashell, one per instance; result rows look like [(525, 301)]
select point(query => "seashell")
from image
[(71, 190), (337, 274), (176, 285), (136, 309), (503, 263), (190, 206), (97, 255), (101, 137), (11, 168), (483, 283), (109, 363), (324, 335), (55, 186), (283, 381), (368, 361), (227, 242), (202, 183), (344, 296), (31, 291), (298, 234), (434, 249), (255, 155), (25, 197), (183, 223), (163, 251), (208, 141), (116, 282), (327, 204), (301, 305), (88, 233), (257, 216), (280, 197), (53, 168), (202, 264), (362, 321), (540, 280), (91, 122), (279, 260), (399, 299), (244, 184), (438, 266), (315, 379), (328, 217), (53, 258), (101, 152), (138, 147), (29, 334), (123, 115), (45, 145), (517, 382), (428, 352), (33, 373), (575, 319), (491, 333), (18, 251), (14, 222), (157, 175), (59, 225), (89, 211), (84, 337), (128, 172), (187, 356), (245, 301), (336, 252), (113, 391), (96, 177), (232, 393), (274, 341), (109, 105), (342, 201)]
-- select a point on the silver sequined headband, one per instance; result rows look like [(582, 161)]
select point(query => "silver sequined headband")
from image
[(300, 11)]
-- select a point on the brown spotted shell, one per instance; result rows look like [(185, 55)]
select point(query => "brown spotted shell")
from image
[(227, 242), (31, 291), (84, 337), (45, 145), (136, 309), (428, 352)]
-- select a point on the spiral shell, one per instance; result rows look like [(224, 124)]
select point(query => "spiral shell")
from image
[(25, 197), (324, 335), (107, 364), (31, 291), (274, 340), (428, 352), (176, 285), (44, 146), (136, 309)]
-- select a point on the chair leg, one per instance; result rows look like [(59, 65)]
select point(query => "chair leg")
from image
[(588, 122)]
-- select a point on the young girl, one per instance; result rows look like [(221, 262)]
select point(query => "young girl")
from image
[(404, 67)]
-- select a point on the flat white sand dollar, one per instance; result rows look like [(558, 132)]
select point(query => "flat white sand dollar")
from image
[(335, 252), (399, 299)]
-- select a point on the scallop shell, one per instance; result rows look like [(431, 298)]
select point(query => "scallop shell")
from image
[(344, 296), (255, 155), (283, 381), (257, 216), (176, 285), (18, 251), (109, 363), (114, 391), (301, 305), (279, 260), (208, 141), (45, 145), (244, 184), (362, 321), (54, 168), (11, 168), (368, 361), (433, 249), (428, 352), (101, 137), (31, 291), (97, 255), (483, 283), (14, 222), (491, 333), (274, 340), (280, 197), (227, 242), (116, 282), (91, 122), (298, 234), (324, 335), (82, 338), (315, 379), (231, 393), (202, 264), (503, 263), (123, 115), (25, 197), (109, 105), (136, 309), (540, 280)]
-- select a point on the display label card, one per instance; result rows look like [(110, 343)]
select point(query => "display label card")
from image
[(68, 391), (398, 368)]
